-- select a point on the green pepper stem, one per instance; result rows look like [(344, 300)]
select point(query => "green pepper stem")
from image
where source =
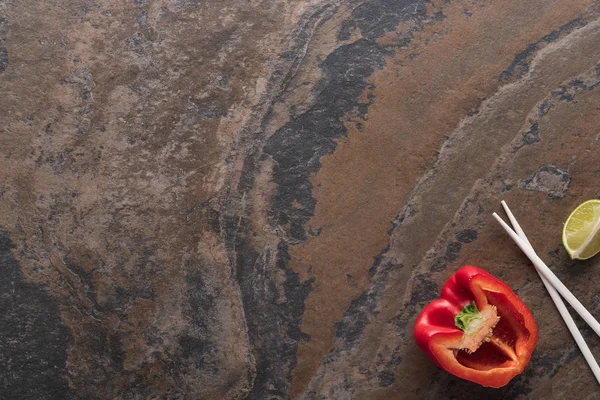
[(464, 319)]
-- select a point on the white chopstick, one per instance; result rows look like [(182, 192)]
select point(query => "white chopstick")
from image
[(560, 305), (542, 269)]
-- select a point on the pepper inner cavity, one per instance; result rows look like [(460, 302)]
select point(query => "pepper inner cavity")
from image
[(501, 347)]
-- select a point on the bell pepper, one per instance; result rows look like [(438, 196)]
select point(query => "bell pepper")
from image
[(479, 330)]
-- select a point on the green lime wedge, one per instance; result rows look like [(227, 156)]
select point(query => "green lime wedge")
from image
[(580, 234)]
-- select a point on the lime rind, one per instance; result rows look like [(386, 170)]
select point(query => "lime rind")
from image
[(581, 232)]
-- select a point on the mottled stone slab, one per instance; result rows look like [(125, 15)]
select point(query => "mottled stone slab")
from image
[(254, 200)]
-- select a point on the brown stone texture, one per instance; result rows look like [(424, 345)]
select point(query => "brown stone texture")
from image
[(255, 199)]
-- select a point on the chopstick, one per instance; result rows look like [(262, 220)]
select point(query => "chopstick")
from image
[(549, 275), (547, 279)]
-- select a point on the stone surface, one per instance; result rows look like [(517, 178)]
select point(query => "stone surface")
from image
[(254, 200)]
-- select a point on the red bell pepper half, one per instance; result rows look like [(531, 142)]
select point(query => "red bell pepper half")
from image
[(479, 330)]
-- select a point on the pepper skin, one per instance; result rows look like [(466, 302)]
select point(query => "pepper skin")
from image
[(510, 345)]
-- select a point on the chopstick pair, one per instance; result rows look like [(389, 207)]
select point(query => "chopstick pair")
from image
[(554, 287)]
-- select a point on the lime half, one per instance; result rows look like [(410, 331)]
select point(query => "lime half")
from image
[(580, 234)]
